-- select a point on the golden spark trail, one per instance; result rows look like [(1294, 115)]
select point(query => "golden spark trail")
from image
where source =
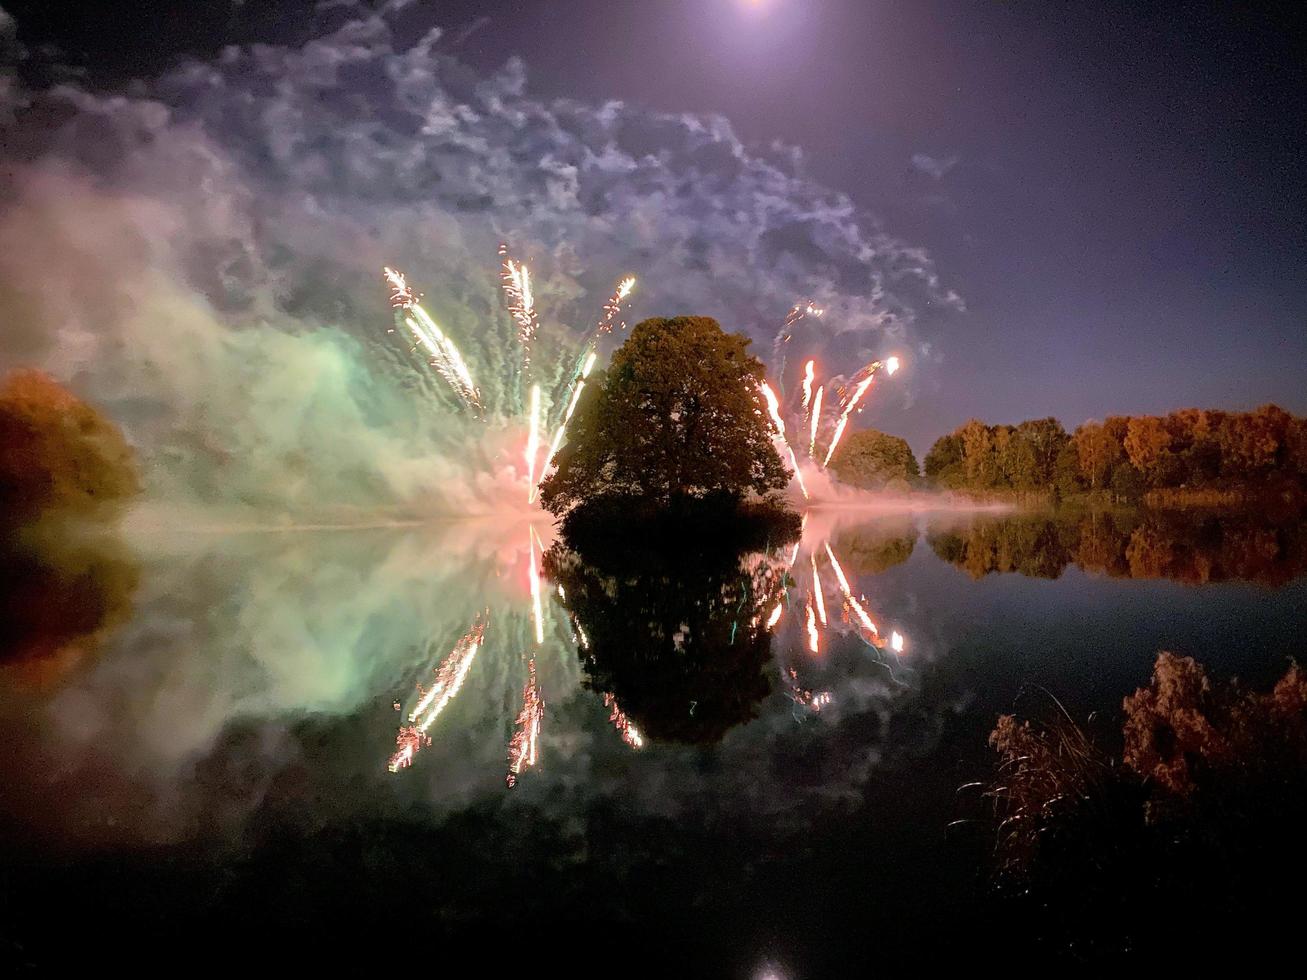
[(526, 736), (844, 417), (515, 278), (807, 386), (445, 356), (571, 407), (773, 406), (812, 630), (817, 591), (854, 604), (614, 306), (816, 420), (797, 312), (449, 679), (532, 444), (816, 700), (630, 734), (775, 616), (537, 608)]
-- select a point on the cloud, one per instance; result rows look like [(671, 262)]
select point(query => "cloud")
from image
[(200, 255), (935, 167)]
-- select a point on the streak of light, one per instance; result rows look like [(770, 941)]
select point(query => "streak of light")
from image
[(537, 607), (449, 679), (532, 443), (854, 604), (524, 745), (557, 441), (844, 416), (773, 406), (817, 591), (630, 734), (815, 421)]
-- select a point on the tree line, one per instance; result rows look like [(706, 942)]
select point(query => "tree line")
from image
[(1125, 456)]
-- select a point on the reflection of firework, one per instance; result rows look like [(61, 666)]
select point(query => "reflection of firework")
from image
[(816, 700), (817, 591), (526, 736), (408, 741), (853, 603), (630, 734), (449, 679), (813, 636), (537, 606)]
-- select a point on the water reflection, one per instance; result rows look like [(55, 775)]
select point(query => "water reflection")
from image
[(678, 642), (683, 730), (1193, 547), (62, 591)]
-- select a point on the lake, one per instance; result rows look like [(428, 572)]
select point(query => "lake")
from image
[(401, 746)]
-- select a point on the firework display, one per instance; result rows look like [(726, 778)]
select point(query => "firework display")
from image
[(523, 747), (449, 679), (527, 393), (629, 733)]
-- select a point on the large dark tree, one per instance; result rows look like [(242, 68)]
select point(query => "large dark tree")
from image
[(677, 414), (674, 629)]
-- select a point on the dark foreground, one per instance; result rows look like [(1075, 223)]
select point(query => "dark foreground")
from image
[(204, 783)]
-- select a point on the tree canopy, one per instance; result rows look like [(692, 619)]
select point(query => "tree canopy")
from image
[(57, 452), (1127, 455), (677, 414), (873, 460)]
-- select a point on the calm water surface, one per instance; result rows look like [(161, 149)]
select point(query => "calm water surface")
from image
[(200, 729)]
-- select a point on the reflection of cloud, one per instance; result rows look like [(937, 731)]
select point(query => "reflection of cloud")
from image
[(261, 661)]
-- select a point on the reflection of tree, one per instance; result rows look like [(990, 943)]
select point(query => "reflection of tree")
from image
[(58, 599), (873, 548), (678, 637), (1188, 547)]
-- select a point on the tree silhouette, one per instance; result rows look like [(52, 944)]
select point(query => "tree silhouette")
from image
[(677, 633), (677, 414)]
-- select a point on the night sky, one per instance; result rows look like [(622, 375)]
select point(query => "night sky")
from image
[(1115, 190)]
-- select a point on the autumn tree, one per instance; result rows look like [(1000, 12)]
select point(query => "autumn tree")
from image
[(678, 414), (873, 460), (57, 452), (943, 463), (1099, 452), (1148, 446)]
